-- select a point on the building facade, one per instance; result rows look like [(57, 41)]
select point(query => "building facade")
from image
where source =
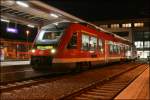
[(136, 30), (14, 50)]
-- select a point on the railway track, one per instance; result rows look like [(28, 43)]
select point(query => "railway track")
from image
[(40, 84), (32, 81), (108, 88)]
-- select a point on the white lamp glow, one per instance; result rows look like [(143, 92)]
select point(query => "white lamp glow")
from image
[(22, 4), (54, 15)]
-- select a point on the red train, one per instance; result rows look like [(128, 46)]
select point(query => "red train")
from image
[(73, 45)]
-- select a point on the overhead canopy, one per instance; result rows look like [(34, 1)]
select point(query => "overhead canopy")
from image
[(33, 12)]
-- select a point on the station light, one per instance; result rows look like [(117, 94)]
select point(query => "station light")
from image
[(12, 30), (22, 4), (54, 15), (27, 32), (4, 20), (32, 26), (55, 23)]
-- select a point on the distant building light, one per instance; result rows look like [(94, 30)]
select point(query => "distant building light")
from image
[(22, 4), (32, 26), (127, 25), (114, 25), (12, 30), (54, 15), (104, 26), (138, 24), (4, 20)]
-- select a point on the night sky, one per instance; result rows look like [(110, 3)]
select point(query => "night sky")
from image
[(97, 10), (92, 10)]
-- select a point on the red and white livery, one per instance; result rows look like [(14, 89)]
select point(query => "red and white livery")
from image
[(70, 45)]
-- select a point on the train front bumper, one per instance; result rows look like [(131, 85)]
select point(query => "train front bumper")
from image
[(41, 60)]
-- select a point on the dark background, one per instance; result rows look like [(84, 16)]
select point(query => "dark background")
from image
[(93, 10), (97, 10)]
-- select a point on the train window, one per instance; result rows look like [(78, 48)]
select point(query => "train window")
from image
[(115, 48), (119, 49), (73, 42), (100, 45), (51, 35), (110, 47), (93, 43), (85, 42)]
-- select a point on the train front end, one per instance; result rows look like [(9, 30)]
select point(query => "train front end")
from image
[(46, 45)]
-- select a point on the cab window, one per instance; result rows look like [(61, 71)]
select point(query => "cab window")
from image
[(73, 42)]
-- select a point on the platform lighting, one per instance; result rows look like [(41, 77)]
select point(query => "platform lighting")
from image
[(27, 32), (12, 30), (22, 4), (4, 20), (55, 23), (32, 26), (54, 15)]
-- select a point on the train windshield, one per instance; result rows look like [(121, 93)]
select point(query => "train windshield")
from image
[(51, 33)]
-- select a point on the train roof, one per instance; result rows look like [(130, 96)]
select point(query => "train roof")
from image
[(105, 31), (90, 25)]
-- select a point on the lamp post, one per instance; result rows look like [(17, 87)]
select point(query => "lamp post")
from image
[(27, 33)]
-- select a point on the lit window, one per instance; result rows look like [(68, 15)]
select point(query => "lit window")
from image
[(138, 24), (93, 43), (85, 42), (100, 46), (111, 47), (139, 44), (104, 26), (114, 25), (126, 25), (147, 44)]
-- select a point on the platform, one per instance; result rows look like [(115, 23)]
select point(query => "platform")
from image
[(138, 89), (12, 63)]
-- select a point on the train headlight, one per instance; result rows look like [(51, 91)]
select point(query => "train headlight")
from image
[(53, 51), (33, 50)]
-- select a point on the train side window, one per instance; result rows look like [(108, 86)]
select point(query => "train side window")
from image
[(100, 45), (115, 48), (73, 42), (111, 47), (93, 43), (85, 42), (118, 49)]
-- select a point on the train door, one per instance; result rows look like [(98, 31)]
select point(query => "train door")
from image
[(101, 50)]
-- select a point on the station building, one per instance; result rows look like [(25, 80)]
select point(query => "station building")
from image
[(136, 30)]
